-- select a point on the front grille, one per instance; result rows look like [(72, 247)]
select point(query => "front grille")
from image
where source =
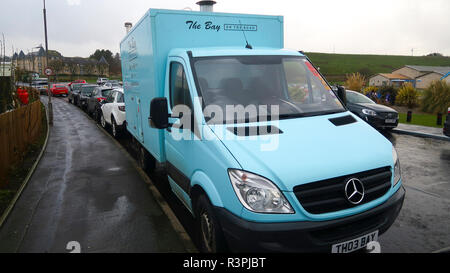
[(351, 229), (388, 115), (329, 195)]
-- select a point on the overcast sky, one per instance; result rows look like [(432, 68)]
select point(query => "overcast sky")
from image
[(393, 27)]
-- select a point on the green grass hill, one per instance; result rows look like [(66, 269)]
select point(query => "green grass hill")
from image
[(336, 66)]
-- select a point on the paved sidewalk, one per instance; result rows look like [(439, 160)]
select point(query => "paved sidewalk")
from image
[(85, 189), (421, 131)]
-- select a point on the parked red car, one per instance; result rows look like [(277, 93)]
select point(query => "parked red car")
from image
[(77, 81), (59, 89)]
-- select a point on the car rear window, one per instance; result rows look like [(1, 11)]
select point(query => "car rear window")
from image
[(106, 92), (120, 97), (87, 90)]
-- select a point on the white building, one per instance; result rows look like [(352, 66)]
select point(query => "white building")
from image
[(5, 69)]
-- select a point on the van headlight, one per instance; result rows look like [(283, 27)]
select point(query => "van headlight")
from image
[(257, 193), (369, 112), (397, 170)]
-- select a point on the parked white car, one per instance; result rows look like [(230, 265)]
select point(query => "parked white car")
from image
[(102, 81), (113, 112)]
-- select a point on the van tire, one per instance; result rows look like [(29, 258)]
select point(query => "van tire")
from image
[(209, 232)]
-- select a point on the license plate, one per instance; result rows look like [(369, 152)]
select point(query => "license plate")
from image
[(391, 121), (355, 244)]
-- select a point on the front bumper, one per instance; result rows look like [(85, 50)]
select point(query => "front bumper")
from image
[(57, 92), (446, 129), (380, 122), (245, 236)]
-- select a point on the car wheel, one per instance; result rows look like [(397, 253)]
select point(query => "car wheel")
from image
[(210, 235), (96, 116), (114, 129), (103, 121)]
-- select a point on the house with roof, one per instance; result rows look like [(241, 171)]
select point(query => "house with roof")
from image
[(420, 76), (423, 75), (36, 62), (384, 79)]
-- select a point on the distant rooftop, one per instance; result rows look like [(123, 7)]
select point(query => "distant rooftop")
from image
[(437, 69), (395, 76)]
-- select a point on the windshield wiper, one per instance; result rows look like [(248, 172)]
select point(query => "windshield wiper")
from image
[(310, 114), (296, 115)]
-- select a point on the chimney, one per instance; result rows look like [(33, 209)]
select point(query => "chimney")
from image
[(206, 5), (128, 26)]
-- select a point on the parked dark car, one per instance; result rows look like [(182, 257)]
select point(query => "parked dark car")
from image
[(85, 94), (447, 124), (74, 92), (377, 115), (94, 102)]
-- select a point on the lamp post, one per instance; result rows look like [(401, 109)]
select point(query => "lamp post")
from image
[(50, 106)]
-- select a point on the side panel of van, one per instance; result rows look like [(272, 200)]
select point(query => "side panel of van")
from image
[(138, 71)]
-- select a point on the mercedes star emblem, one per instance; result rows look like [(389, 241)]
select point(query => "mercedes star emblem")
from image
[(354, 191)]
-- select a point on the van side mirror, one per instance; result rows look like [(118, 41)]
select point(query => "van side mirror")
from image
[(342, 94), (159, 114)]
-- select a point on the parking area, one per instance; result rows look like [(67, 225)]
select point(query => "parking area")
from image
[(423, 223)]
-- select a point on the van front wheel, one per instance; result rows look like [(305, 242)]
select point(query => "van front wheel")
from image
[(210, 236)]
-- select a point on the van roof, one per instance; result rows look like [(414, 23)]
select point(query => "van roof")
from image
[(234, 51)]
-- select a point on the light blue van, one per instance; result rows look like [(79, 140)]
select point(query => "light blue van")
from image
[(301, 174)]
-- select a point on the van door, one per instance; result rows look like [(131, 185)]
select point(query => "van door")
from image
[(140, 130), (179, 141)]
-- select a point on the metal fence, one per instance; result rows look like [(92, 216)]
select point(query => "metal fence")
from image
[(18, 129)]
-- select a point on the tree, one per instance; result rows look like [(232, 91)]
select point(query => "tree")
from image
[(436, 98), (72, 69), (407, 96), (106, 53), (115, 66), (57, 66), (436, 54)]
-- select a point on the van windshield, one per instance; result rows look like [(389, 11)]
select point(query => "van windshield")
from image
[(288, 82)]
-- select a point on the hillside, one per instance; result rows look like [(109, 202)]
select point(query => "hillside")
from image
[(336, 66)]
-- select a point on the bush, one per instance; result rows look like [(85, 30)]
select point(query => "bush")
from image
[(407, 96), (436, 98), (355, 82), (370, 89), (388, 93)]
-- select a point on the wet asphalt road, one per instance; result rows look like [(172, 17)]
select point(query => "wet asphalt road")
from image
[(424, 221), (422, 226), (86, 189)]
